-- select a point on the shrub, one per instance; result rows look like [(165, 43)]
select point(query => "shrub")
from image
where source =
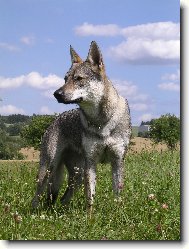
[(10, 147), (166, 129), (33, 132), (14, 129), (144, 134)]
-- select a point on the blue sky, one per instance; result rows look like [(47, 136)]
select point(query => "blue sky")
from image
[(139, 40)]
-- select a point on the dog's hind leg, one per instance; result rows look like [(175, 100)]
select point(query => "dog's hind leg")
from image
[(54, 183), (74, 166), (42, 179), (74, 182)]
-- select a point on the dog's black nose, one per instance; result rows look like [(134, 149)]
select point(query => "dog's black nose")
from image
[(58, 95)]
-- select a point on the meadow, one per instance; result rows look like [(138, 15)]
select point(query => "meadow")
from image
[(148, 208)]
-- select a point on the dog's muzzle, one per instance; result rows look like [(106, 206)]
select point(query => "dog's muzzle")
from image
[(62, 98)]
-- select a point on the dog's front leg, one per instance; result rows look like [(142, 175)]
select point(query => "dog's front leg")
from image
[(117, 175), (90, 183)]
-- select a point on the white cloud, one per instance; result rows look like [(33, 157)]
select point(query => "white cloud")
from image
[(33, 79), (87, 29), (146, 117), (139, 106), (137, 101), (36, 80), (28, 40), (9, 47), (45, 110), (125, 88), (172, 77), (151, 43), (140, 97), (170, 86), (11, 82), (10, 109), (159, 30), (49, 40), (146, 51), (49, 93), (173, 82), (129, 90)]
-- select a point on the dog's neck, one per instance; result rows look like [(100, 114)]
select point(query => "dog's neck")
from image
[(99, 113)]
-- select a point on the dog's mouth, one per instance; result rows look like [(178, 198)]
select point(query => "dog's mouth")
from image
[(75, 101), (63, 100)]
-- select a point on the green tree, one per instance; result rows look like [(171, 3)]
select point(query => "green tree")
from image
[(144, 134), (33, 132), (9, 147), (14, 129), (166, 129), (2, 125)]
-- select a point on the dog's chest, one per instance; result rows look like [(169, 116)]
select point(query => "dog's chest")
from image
[(103, 148)]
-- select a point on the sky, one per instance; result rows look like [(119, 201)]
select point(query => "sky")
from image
[(139, 41)]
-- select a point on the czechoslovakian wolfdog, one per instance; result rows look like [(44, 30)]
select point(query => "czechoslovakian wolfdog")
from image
[(98, 131)]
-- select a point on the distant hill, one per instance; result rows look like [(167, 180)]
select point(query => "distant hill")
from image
[(14, 118)]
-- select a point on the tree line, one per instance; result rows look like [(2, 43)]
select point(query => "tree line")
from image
[(14, 118)]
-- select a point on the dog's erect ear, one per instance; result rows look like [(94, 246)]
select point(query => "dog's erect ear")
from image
[(74, 56), (95, 56)]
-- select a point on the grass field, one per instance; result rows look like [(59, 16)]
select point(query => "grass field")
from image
[(149, 207)]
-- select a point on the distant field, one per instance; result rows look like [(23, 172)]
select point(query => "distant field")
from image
[(149, 207), (30, 153), (138, 144)]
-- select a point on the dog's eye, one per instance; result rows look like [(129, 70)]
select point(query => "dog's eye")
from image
[(78, 78)]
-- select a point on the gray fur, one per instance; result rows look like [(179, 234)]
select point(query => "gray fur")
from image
[(98, 131)]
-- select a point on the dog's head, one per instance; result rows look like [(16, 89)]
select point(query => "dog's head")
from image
[(84, 80)]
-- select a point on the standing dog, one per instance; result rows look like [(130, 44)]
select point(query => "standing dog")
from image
[(81, 138)]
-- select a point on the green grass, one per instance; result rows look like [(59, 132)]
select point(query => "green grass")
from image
[(151, 180)]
